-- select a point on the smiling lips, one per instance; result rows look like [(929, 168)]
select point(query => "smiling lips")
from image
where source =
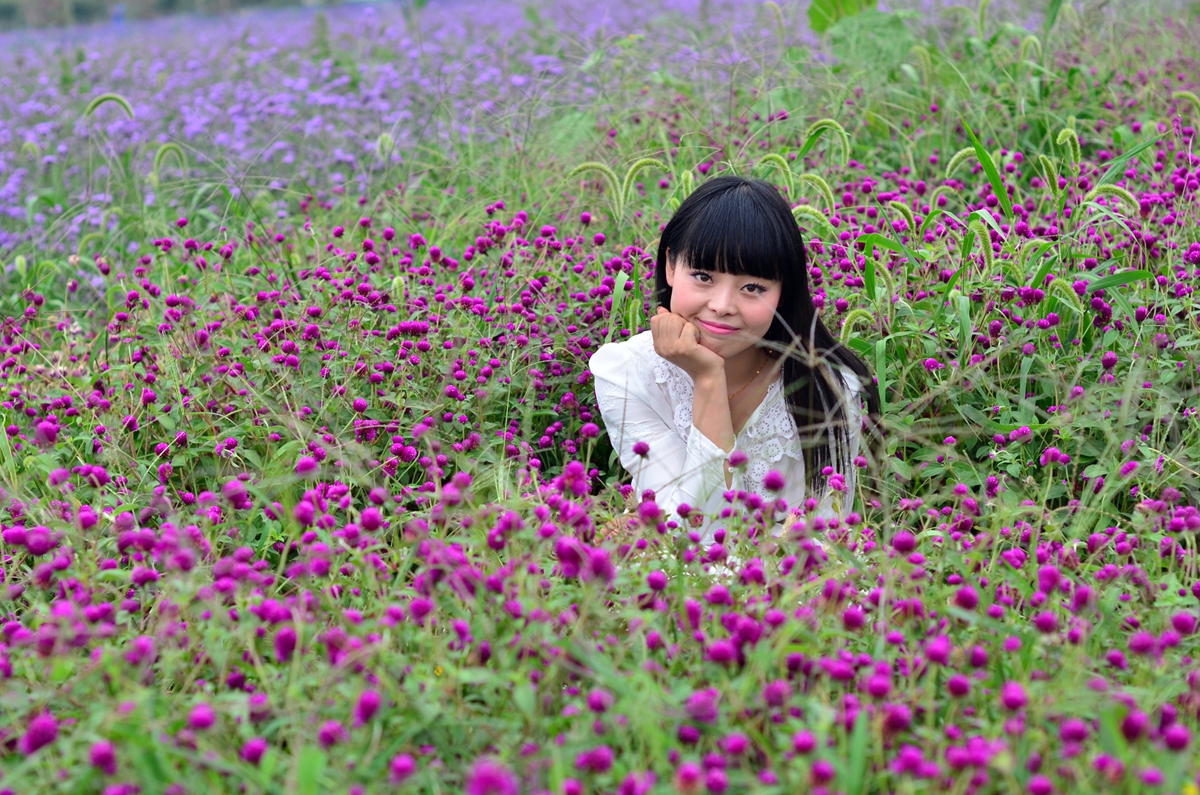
[(716, 328)]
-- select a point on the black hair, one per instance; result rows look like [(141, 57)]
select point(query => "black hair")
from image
[(742, 226)]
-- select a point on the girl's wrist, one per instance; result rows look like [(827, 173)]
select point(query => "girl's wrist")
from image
[(713, 380)]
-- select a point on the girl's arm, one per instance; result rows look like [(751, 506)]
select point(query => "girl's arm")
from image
[(635, 409), (678, 341)]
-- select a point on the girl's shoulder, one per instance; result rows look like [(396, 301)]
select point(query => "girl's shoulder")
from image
[(617, 361)]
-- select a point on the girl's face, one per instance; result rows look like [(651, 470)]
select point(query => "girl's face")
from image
[(732, 312)]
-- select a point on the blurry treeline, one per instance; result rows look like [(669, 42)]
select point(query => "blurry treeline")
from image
[(44, 13)]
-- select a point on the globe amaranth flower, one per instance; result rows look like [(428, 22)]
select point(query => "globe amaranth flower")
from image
[(490, 777)]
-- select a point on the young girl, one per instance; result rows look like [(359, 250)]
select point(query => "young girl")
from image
[(736, 359)]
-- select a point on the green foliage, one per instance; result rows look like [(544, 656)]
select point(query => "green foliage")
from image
[(824, 14), (871, 42)]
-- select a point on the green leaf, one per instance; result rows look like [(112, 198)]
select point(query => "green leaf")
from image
[(618, 297), (1039, 278), (1051, 15), (993, 174), (937, 313), (822, 14), (869, 279), (309, 766), (881, 372), (1114, 168), (1118, 279), (855, 773), (524, 698)]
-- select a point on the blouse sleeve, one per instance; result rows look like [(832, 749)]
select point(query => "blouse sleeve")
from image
[(841, 504), (634, 410)]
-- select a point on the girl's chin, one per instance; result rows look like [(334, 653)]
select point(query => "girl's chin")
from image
[(723, 347)]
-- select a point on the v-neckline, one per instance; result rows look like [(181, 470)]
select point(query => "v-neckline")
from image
[(759, 408)]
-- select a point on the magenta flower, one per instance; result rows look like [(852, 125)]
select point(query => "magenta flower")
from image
[(490, 777), (401, 768), (201, 717), (103, 757), (254, 749), (597, 760), (331, 733), (1177, 737), (306, 465), (1012, 696), (773, 481), (367, 706), (702, 705), (1128, 468)]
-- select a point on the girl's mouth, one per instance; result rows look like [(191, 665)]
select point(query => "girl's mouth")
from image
[(716, 328)]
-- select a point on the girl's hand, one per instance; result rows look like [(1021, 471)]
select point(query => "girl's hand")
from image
[(678, 341)]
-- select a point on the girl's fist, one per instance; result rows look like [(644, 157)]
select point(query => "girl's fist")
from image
[(678, 341)]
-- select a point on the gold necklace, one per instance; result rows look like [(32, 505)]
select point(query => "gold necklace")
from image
[(748, 383)]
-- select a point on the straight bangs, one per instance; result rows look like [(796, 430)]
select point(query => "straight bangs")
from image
[(741, 232)]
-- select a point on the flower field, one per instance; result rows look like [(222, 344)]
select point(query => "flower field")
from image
[(303, 488)]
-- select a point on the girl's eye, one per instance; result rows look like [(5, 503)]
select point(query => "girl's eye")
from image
[(756, 288), (701, 275)]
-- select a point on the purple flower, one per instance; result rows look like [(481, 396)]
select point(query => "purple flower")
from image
[(201, 717), (1135, 724), (489, 777), (702, 705), (641, 448), (1012, 696), (367, 706), (599, 700), (958, 685), (590, 430), (1109, 360), (331, 733), (103, 757), (773, 481), (1177, 737), (285, 643), (777, 693), (306, 465), (715, 781), (597, 760), (598, 566), (402, 767), (722, 652), (1040, 785), (1143, 643), (1128, 468), (253, 750), (804, 742)]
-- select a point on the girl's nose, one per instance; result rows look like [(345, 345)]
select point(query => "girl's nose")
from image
[(721, 301)]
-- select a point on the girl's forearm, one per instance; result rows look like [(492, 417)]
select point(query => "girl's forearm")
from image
[(710, 410)]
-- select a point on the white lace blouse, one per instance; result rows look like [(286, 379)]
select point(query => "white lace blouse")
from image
[(643, 397)]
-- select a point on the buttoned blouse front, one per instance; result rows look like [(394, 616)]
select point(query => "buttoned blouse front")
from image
[(644, 398)]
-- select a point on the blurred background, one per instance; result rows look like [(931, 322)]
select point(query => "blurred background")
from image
[(44, 13)]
